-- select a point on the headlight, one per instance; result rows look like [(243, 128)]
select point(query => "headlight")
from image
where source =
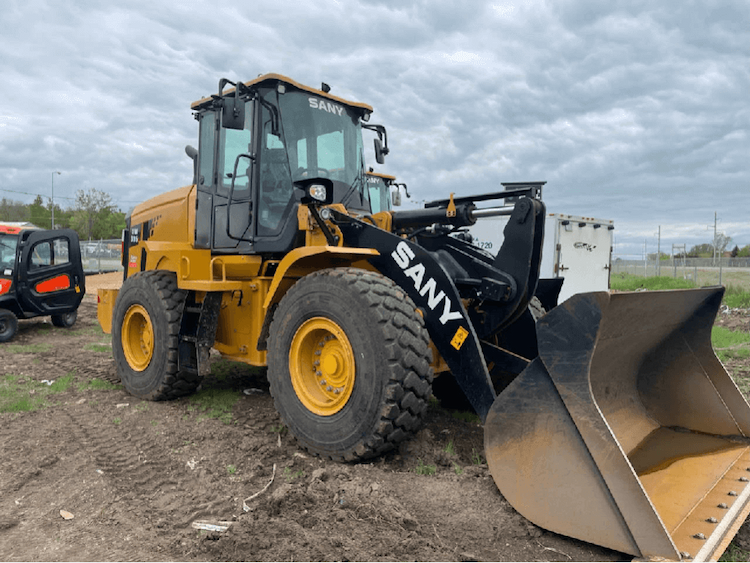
[(316, 191)]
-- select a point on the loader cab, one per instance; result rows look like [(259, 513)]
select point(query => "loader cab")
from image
[(379, 189), (260, 144)]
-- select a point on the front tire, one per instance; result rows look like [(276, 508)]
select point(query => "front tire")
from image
[(349, 364), (145, 337), (8, 325)]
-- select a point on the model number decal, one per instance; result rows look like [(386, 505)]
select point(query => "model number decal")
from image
[(403, 256)]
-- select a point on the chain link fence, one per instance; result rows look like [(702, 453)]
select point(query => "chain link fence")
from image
[(101, 256), (702, 271)]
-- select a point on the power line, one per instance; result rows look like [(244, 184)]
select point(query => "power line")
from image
[(58, 197)]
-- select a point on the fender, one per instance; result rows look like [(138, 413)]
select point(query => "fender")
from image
[(300, 262)]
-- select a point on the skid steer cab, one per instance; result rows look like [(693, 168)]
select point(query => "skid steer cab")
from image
[(40, 275), (608, 419)]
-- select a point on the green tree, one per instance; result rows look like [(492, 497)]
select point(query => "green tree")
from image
[(39, 215), (13, 211), (95, 217)]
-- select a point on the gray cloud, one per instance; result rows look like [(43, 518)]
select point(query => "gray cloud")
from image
[(632, 111)]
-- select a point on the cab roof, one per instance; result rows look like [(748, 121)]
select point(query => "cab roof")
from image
[(275, 79)]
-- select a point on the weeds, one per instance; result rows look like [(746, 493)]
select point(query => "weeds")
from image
[(216, 403), (231, 469), (457, 469), (99, 348), (27, 348), (730, 344), (423, 469), (97, 385), (449, 448), (25, 395), (734, 553), (476, 457), (292, 475), (117, 421), (466, 416)]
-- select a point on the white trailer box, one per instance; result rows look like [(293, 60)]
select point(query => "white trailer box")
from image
[(578, 249)]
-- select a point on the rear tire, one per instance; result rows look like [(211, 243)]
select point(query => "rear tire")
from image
[(145, 337), (373, 357), (66, 320), (8, 325)]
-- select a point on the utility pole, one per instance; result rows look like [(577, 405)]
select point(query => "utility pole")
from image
[(658, 253), (714, 244), (53, 197)]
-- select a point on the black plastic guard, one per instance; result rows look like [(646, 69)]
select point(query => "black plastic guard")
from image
[(417, 272)]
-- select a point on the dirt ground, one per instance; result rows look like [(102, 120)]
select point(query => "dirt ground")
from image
[(138, 476)]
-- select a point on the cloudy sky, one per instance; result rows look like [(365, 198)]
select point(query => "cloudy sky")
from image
[(634, 111)]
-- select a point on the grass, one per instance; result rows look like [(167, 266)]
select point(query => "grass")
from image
[(736, 296), (24, 395), (734, 553), (476, 458), (290, 475), (730, 344), (216, 403), (450, 448), (98, 385), (27, 348), (99, 348), (423, 469)]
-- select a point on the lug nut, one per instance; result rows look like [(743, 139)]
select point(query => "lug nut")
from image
[(322, 381), (685, 555), (329, 388), (744, 479), (699, 536), (732, 493), (722, 505), (711, 520)]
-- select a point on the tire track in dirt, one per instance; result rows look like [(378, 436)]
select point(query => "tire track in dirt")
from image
[(141, 472)]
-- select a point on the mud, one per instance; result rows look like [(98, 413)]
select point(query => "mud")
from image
[(138, 476)]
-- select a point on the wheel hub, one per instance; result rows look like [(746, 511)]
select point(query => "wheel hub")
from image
[(322, 367), (137, 337)]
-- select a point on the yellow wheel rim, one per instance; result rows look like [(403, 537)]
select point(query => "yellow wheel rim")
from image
[(321, 364), (137, 337)]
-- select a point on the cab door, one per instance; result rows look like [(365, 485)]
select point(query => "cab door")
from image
[(50, 273)]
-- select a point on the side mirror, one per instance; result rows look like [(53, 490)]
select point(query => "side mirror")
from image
[(380, 152), (192, 152), (233, 113), (396, 197), (232, 109)]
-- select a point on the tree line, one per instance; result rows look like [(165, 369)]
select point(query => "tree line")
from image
[(93, 215)]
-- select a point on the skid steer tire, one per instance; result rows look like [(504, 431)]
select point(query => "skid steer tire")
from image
[(373, 358), (145, 336)]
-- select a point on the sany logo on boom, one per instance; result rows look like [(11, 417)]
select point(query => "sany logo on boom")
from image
[(315, 103), (403, 256)]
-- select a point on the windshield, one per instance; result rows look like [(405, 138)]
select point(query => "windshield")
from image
[(8, 245), (379, 194), (324, 140)]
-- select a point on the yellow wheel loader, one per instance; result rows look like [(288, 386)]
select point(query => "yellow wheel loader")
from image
[(608, 419)]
